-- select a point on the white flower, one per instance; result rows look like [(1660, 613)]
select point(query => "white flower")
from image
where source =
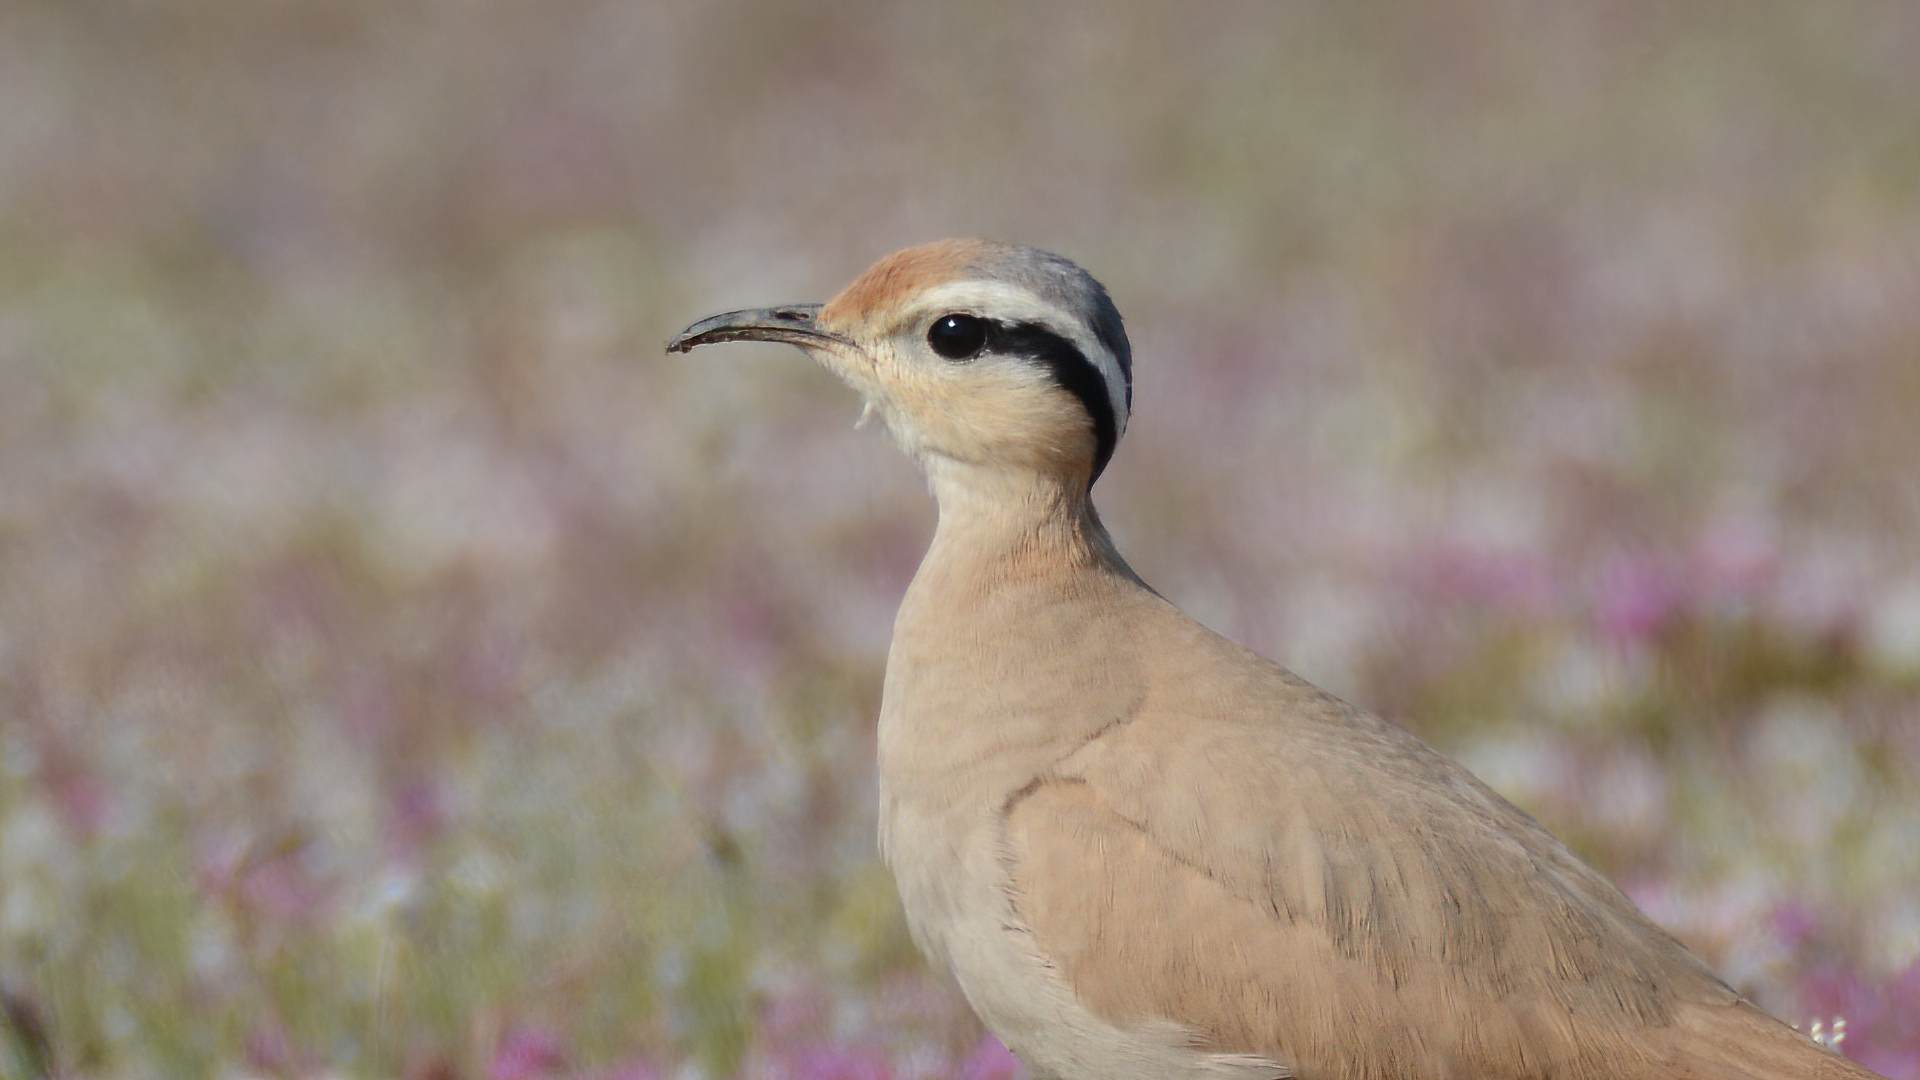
[(1893, 630), (1832, 1037)]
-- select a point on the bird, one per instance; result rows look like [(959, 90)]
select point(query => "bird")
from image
[(1144, 852)]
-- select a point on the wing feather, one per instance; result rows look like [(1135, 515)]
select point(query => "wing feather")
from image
[(1287, 876)]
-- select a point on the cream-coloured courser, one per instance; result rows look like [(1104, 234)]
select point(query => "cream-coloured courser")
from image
[(1145, 852)]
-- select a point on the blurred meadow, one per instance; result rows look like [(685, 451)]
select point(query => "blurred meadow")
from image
[(406, 670)]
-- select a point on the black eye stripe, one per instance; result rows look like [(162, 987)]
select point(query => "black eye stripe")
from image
[(1071, 370)]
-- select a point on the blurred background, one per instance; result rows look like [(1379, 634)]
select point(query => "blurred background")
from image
[(407, 670)]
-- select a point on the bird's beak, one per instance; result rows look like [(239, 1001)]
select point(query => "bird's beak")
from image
[(794, 324)]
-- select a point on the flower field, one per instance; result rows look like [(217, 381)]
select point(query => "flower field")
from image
[(407, 670)]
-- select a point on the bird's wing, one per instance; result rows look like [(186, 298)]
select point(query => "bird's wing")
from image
[(1285, 876)]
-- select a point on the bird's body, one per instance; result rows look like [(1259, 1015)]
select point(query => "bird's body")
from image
[(1145, 852)]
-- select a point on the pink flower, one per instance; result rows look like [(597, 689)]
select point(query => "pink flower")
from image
[(269, 1049), (1736, 557), (283, 888), (1636, 598), (1880, 1034), (82, 799), (415, 814), (1511, 581), (991, 1060), (836, 1063), (528, 1053), (1794, 923)]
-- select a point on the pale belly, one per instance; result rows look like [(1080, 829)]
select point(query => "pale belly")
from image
[(953, 888)]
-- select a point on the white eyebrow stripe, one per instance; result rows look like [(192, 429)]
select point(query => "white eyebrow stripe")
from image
[(1012, 304)]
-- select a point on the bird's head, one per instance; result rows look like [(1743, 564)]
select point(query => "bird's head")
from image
[(977, 354)]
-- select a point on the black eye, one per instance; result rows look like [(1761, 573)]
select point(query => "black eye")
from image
[(958, 337)]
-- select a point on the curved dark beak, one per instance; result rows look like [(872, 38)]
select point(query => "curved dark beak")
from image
[(794, 324)]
